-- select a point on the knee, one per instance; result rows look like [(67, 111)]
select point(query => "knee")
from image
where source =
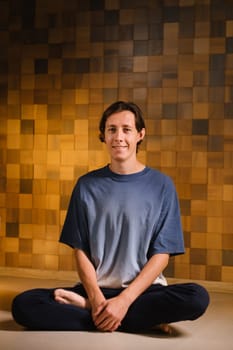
[(22, 306), (17, 308), (199, 300)]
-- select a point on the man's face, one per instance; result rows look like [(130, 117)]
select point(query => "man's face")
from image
[(121, 136)]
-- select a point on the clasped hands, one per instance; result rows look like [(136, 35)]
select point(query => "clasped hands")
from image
[(108, 314)]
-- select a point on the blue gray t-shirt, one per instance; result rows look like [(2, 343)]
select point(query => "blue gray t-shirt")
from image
[(120, 221)]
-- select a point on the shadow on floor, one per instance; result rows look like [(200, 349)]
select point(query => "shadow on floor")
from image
[(10, 325), (174, 333)]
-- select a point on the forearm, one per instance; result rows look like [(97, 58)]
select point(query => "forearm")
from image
[(116, 308), (148, 274), (87, 275)]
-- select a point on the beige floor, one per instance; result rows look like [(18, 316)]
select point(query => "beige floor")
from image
[(212, 331)]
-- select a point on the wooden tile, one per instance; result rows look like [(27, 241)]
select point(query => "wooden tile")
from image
[(182, 271), (213, 273), (184, 159), (51, 262), (170, 38), (198, 272), (198, 223), (202, 29), (199, 159), (198, 240), (25, 230), (12, 259), (228, 192), (229, 28), (25, 246), (168, 159), (214, 224), (226, 274), (65, 262), (199, 207), (215, 208), (227, 241), (227, 257), (215, 176), (214, 192), (214, 257), (199, 176), (213, 241), (217, 45)]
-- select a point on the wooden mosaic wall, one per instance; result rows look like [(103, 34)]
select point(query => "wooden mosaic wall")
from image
[(61, 63)]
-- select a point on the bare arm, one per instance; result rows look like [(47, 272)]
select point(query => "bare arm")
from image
[(87, 276), (146, 277), (116, 308)]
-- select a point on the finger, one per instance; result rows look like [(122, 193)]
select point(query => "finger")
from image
[(100, 320), (61, 300), (110, 328), (106, 327), (99, 316), (109, 325), (97, 311)]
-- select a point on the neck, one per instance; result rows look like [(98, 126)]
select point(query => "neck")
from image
[(124, 169)]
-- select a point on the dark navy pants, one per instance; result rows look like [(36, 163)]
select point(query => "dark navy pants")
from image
[(36, 309)]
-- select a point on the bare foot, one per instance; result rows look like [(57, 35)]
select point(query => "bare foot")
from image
[(64, 296), (164, 327)]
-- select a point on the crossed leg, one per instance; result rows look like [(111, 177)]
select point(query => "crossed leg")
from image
[(69, 308), (64, 296)]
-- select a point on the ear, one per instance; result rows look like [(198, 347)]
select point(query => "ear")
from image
[(102, 137), (141, 134)]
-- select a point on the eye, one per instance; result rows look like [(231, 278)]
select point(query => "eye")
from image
[(111, 129), (127, 130)]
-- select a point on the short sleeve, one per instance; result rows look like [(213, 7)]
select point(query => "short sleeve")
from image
[(75, 229), (168, 235)]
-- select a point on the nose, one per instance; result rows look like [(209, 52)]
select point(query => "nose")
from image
[(119, 135)]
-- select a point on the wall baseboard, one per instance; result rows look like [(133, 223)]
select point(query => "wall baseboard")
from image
[(71, 276), (39, 274), (211, 286)]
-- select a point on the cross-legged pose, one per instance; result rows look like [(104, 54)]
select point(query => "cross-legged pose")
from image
[(123, 223)]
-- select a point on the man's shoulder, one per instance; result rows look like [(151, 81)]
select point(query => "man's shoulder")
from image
[(96, 173), (158, 174), (160, 178)]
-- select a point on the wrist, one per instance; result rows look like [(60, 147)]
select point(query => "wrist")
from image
[(126, 297), (96, 299)]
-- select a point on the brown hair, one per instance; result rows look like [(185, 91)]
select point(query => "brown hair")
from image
[(120, 106)]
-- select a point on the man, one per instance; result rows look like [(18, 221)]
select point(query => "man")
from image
[(123, 223)]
